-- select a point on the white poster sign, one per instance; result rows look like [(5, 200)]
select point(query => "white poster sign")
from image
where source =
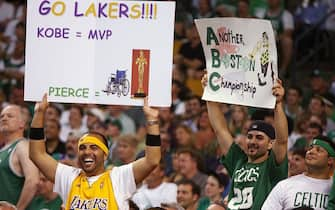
[(99, 51), (241, 60)]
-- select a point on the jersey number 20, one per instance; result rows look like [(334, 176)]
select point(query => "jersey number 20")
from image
[(242, 198)]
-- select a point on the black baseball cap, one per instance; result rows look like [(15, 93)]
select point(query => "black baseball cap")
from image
[(260, 125)]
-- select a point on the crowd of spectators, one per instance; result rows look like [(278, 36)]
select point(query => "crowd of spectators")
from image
[(190, 175)]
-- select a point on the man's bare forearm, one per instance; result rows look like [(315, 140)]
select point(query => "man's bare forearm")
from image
[(281, 126), (37, 151), (27, 194), (219, 124)]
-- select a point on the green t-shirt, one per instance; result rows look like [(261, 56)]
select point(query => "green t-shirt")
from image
[(39, 203), (203, 203), (251, 182)]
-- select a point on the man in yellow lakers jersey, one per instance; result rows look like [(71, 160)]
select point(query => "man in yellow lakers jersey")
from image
[(91, 186)]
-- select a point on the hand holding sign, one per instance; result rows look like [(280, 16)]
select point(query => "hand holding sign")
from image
[(278, 91), (43, 105)]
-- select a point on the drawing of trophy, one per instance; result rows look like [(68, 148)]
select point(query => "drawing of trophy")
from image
[(141, 68)]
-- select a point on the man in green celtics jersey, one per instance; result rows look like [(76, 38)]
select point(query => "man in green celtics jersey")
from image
[(311, 188), (92, 186), (18, 175), (256, 170)]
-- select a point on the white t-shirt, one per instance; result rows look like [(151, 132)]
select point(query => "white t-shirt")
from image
[(122, 179), (164, 193), (299, 190)]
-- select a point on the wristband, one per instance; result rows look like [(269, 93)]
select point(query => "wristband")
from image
[(153, 140), (36, 133)]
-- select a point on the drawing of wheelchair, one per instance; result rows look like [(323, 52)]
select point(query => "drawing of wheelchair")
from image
[(117, 84)]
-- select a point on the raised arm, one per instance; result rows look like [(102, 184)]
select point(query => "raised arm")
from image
[(143, 166), (280, 123), (37, 152), (219, 123)]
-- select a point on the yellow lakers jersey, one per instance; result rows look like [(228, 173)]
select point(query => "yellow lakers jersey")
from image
[(98, 196)]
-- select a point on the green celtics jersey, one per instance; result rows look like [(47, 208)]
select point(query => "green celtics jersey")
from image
[(11, 184), (251, 182)]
